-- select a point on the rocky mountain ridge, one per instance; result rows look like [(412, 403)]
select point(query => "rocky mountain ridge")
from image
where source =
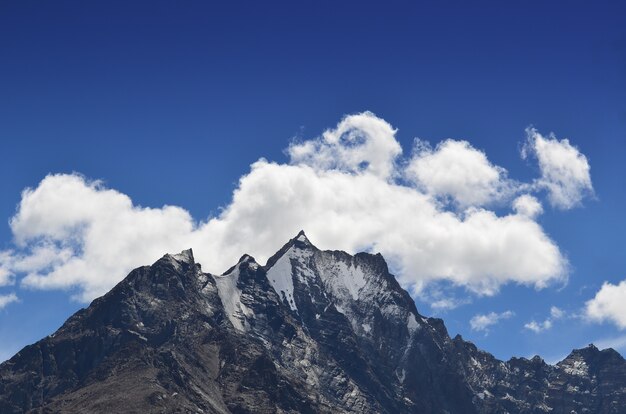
[(312, 331)]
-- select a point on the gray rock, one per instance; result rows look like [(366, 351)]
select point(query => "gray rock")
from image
[(310, 332)]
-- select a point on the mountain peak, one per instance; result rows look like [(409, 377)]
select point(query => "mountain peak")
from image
[(186, 256), (302, 238), (592, 354), (312, 331), (300, 241), (589, 350), (246, 258)]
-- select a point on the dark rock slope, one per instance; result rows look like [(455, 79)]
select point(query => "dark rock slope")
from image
[(311, 332)]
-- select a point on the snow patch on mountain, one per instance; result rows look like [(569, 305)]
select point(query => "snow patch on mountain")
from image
[(345, 279), (576, 367), (412, 324), (280, 276), (230, 295)]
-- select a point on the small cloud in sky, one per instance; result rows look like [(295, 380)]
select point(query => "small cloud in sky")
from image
[(546, 324), (349, 189), (6, 274), (447, 303), (609, 304), (537, 327), (564, 169), (556, 313), (5, 300), (482, 322), (441, 297)]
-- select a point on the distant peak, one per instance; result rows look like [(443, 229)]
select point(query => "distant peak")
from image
[(589, 349), (246, 258), (537, 360), (301, 237), (186, 256), (589, 353)]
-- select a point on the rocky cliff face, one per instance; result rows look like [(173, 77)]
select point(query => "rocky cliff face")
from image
[(310, 332)]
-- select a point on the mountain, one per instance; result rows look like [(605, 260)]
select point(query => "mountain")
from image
[(312, 331)]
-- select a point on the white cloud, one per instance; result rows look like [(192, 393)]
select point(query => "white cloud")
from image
[(443, 304), (609, 304), (564, 169), (7, 299), (360, 143), (72, 233), (538, 327), (456, 169), (77, 233), (527, 205), (556, 313), (6, 275), (482, 323)]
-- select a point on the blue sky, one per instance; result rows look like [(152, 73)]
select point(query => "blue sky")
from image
[(171, 104)]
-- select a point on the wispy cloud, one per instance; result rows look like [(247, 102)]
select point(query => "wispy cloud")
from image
[(482, 322), (6, 300), (537, 327)]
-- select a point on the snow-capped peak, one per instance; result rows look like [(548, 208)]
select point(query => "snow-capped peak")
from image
[(186, 256), (246, 258), (301, 237)]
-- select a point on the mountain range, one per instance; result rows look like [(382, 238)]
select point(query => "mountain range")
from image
[(311, 331)]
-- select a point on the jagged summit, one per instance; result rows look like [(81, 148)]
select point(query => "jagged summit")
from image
[(185, 256), (302, 238), (300, 241), (591, 355), (246, 258), (312, 331)]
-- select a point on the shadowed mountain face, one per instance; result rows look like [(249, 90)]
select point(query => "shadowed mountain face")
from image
[(311, 332)]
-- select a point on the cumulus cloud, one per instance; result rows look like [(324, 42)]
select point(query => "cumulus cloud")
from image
[(7, 299), (527, 205), (609, 304), (76, 233), (457, 170), (537, 327), (360, 143), (346, 189), (564, 169), (482, 323)]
